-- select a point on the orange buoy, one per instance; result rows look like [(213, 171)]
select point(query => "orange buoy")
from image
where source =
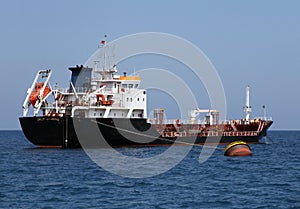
[(237, 148)]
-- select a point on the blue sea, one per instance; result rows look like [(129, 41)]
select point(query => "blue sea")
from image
[(68, 178)]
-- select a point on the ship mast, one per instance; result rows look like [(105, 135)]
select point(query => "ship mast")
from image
[(104, 45), (247, 107)]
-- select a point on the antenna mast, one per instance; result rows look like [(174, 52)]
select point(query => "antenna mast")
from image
[(248, 107), (104, 43)]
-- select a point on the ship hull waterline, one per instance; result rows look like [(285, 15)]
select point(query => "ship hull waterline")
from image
[(63, 132)]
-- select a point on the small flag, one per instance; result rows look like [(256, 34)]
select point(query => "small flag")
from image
[(101, 43)]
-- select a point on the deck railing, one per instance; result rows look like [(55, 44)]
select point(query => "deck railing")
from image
[(209, 133)]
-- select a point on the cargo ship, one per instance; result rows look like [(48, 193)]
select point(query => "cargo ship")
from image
[(101, 108)]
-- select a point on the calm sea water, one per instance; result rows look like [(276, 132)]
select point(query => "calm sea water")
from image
[(67, 178)]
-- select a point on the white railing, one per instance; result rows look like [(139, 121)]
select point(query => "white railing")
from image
[(209, 133), (265, 118), (68, 90), (241, 133), (175, 121)]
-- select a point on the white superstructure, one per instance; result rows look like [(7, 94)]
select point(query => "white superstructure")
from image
[(93, 93)]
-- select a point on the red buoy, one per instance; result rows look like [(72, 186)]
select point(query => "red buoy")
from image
[(237, 148)]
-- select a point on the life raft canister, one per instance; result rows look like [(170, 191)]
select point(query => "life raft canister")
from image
[(36, 92)]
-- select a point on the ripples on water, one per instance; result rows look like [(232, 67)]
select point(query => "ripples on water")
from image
[(58, 178)]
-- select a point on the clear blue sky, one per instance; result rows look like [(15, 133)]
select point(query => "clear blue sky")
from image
[(250, 42)]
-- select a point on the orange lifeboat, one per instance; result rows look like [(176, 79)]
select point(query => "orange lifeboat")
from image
[(237, 148), (103, 100), (36, 92)]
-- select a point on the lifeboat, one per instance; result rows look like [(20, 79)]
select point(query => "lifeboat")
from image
[(237, 148), (36, 92), (103, 101)]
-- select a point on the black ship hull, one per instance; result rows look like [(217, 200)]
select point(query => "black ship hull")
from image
[(67, 132)]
